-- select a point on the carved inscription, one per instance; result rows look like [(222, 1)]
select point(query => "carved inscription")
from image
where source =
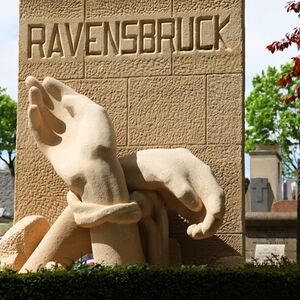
[(127, 37)]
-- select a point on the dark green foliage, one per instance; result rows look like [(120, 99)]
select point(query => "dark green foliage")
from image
[(144, 282), (8, 124)]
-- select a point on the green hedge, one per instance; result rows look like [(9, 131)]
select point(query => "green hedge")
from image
[(144, 282)]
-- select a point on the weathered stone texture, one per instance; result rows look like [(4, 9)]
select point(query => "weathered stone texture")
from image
[(166, 98), (47, 13), (39, 190), (42, 61), (224, 109), (127, 66), (218, 63), (157, 106), (226, 55), (98, 8), (111, 94), (49, 9), (207, 250), (225, 162), (65, 69), (24, 137), (188, 6), (20, 241)]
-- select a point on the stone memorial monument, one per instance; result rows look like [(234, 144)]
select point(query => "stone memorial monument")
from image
[(264, 253), (265, 162), (261, 195), (170, 75)]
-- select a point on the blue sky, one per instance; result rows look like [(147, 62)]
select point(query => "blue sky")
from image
[(266, 21)]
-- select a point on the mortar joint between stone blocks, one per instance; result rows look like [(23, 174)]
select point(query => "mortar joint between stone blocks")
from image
[(127, 104), (206, 105)]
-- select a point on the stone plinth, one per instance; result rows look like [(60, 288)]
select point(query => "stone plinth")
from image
[(265, 162), (169, 73), (271, 228)]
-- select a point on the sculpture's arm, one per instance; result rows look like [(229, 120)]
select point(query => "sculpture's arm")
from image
[(185, 176), (77, 137), (90, 215)]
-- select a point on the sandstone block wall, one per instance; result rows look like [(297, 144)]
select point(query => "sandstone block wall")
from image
[(169, 72)]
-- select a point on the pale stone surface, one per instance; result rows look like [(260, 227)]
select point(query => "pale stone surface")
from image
[(265, 251), (208, 63), (63, 69), (55, 61), (125, 67), (64, 242), (225, 41), (77, 137), (96, 8), (185, 6), (52, 265), (67, 9), (37, 180), (187, 178), (224, 109), (130, 65), (182, 104), (112, 95), (24, 137), (212, 130), (98, 198), (19, 242), (225, 162), (114, 100), (47, 13)]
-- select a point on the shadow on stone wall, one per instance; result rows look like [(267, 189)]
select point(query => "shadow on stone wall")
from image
[(214, 250)]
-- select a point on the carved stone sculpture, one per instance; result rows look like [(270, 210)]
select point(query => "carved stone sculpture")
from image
[(118, 209)]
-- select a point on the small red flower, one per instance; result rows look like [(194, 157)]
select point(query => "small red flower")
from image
[(293, 6), (281, 82), (290, 99), (271, 47), (296, 71)]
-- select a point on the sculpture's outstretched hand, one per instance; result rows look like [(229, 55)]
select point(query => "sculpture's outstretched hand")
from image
[(77, 137), (65, 125), (191, 181)]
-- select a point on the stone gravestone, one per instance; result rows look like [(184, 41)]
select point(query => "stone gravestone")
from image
[(170, 74), (261, 195), (264, 252)]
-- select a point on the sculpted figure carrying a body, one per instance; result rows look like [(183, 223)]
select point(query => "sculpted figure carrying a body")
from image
[(111, 203)]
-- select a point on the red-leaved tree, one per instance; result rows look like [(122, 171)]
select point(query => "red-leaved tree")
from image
[(292, 38)]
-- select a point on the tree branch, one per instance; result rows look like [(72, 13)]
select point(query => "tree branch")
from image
[(6, 162)]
